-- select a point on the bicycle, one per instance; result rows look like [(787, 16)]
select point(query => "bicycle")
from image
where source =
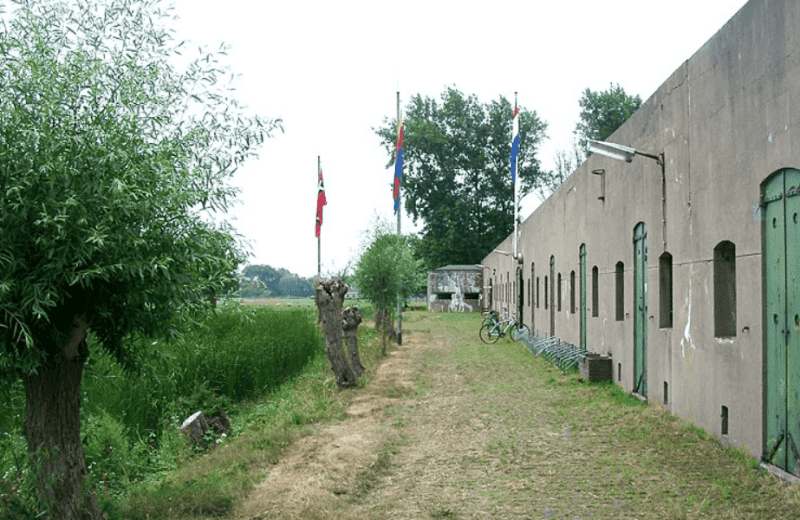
[(491, 317), (491, 332)]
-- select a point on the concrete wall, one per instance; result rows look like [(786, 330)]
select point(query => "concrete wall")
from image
[(725, 121), (455, 290)]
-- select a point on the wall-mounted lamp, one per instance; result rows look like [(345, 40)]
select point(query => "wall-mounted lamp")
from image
[(602, 173), (626, 153), (621, 152)]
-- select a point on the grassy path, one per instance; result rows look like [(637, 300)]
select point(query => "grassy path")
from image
[(452, 428)]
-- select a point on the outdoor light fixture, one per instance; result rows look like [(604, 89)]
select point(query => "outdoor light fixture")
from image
[(620, 152), (625, 153)]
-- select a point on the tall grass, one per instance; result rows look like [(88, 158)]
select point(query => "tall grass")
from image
[(129, 419), (238, 353)]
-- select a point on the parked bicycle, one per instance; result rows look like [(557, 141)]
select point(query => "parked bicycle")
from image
[(491, 332), (490, 317)]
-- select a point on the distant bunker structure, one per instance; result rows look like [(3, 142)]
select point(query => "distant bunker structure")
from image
[(455, 288)]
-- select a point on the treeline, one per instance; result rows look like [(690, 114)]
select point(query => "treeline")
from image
[(263, 281)]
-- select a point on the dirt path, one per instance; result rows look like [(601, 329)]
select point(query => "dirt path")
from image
[(452, 428), (330, 469)]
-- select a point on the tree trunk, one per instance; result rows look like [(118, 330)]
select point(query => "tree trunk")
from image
[(378, 319), (329, 298), (385, 325), (52, 422), (388, 325), (352, 318)]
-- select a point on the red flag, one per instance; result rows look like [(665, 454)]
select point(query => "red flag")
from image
[(321, 201)]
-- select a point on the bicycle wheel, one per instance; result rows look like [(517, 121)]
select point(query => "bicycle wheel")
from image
[(519, 330), (490, 333)]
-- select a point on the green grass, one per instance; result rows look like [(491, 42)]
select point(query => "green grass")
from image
[(576, 443), (208, 485), (555, 446), (264, 366)]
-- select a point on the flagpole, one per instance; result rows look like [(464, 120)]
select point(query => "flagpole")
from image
[(319, 236), (515, 211), (399, 211), (516, 188)]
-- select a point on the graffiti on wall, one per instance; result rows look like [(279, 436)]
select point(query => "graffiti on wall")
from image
[(454, 290)]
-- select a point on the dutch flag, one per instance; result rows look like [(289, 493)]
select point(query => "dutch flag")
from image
[(398, 164), (514, 143)]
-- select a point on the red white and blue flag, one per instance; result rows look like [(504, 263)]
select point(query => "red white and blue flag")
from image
[(321, 201), (514, 143), (398, 164)]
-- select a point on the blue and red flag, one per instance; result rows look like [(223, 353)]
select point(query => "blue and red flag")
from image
[(321, 201), (514, 143), (398, 164)]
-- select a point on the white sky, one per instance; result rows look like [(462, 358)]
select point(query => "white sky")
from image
[(331, 71)]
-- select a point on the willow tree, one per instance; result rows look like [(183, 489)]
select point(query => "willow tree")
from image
[(386, 271), (110, 152)]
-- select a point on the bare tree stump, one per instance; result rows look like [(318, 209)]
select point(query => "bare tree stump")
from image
[(220, 423), (195, 428), (329, 295), (351, 319)]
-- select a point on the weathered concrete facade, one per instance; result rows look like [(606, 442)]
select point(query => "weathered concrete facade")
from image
[(455, 288), (666, 269)]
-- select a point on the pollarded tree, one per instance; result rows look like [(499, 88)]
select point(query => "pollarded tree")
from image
[(109, 154), (457, 172)]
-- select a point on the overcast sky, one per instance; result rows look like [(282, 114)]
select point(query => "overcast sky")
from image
[(331, 71)]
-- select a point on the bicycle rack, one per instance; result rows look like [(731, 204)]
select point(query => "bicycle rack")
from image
[(564, 355)]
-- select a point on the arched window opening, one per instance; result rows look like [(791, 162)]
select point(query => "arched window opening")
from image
[(572, 292), (725, 290), (558, 294), (665, 291), (620, 292)]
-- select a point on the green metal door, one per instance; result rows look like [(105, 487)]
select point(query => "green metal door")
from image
[(640, 309), (781, 202), (520, 295), (583, 296), (533, 296), (552, 296)]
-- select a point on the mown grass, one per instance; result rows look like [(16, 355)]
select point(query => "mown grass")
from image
[(559, 447), (263, 366)]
